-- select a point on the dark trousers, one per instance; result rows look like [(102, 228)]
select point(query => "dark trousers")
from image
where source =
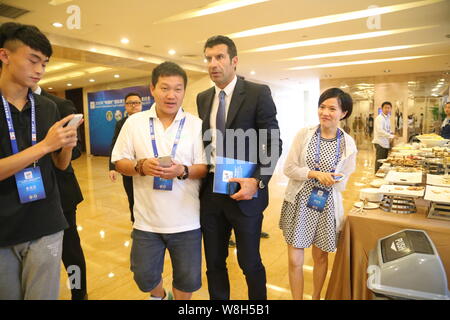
[(128, 186), (380, 153), (72, 255), (218, 215)]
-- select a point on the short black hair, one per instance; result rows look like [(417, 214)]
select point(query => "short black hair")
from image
[(344, 99), (27, 34), (216, 40), (386, 102), (132, 94), (167, 69)]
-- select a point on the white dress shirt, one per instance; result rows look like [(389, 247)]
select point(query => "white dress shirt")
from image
[(215, 106), (161, 211), (382, 131)]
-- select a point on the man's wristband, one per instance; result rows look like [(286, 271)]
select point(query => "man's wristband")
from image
[(139, 167)]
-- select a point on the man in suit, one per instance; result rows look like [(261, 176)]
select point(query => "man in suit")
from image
[(71, 196), (247, 113), (133, 104)]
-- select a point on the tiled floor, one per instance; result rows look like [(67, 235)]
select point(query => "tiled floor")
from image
[(104, 227)]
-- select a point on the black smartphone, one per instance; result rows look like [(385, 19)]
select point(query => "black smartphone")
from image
[(233, 187)]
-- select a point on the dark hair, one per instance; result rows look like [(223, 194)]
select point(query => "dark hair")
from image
[(344, 99), (216, 40), (166, 69), (27, 34), (386, 102), (132, 94)]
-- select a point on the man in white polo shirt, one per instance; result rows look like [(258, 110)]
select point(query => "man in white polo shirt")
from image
[(382, 135), (166, 191)]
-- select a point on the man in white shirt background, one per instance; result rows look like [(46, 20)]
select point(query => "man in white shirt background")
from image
[(382, 135), (445, 128)]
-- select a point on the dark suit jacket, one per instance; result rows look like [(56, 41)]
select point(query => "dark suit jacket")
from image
[(251, 107), (445, 132), (69, 188), (117, 129)]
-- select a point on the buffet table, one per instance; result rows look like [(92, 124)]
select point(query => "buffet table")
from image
[(359, 236)]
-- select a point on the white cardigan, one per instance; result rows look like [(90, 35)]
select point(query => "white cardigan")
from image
[(296, 169)]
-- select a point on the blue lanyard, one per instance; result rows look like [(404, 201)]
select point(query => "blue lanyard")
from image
[(12, 133), (177, 137), (317, 157)]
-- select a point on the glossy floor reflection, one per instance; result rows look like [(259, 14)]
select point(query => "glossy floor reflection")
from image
[(104, 228)]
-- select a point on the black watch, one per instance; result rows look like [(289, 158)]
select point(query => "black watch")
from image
[(185, 174)]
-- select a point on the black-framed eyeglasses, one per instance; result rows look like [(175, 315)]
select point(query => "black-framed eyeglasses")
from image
[(133, 103)]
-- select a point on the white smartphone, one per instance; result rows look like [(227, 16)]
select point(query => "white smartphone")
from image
[(165, 162), (75, 120)]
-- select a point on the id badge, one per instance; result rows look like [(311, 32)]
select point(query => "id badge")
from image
[(162, 184), (30, 185), (318, 199)]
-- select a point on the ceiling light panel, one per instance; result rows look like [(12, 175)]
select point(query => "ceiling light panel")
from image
[(212, 8), (350, 37), (313, 22), (356, 52), (340, 64)]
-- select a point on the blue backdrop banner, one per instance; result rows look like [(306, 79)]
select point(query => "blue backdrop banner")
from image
[(105, 109)]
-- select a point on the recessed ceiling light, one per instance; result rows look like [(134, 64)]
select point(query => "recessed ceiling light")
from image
[(117, 76), (141, 59), (69, 84), (252, 72), (91, 80), (172, 52), (57, 24), (124, 40), (50, 88), (93, 50)]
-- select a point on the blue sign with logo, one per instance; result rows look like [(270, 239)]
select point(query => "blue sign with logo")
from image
[(105, 109)]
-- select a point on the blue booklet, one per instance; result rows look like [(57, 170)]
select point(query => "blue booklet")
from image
[(227, 168)]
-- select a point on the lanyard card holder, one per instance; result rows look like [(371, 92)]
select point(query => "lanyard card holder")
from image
[(29, 181), (30, 185), (162, 184), (159, 183), (318, 199)]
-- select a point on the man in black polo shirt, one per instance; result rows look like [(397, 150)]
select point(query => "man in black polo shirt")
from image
[(31, 138)]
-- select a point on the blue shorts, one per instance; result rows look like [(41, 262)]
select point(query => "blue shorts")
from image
[(147, 259)]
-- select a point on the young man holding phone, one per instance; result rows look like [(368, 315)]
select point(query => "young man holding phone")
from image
[(32, 140), (162, 149)]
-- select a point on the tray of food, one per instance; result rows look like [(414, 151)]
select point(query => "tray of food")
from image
[(411, 191), (408, 178), (432, 140), (438, 180), (437, 194)]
